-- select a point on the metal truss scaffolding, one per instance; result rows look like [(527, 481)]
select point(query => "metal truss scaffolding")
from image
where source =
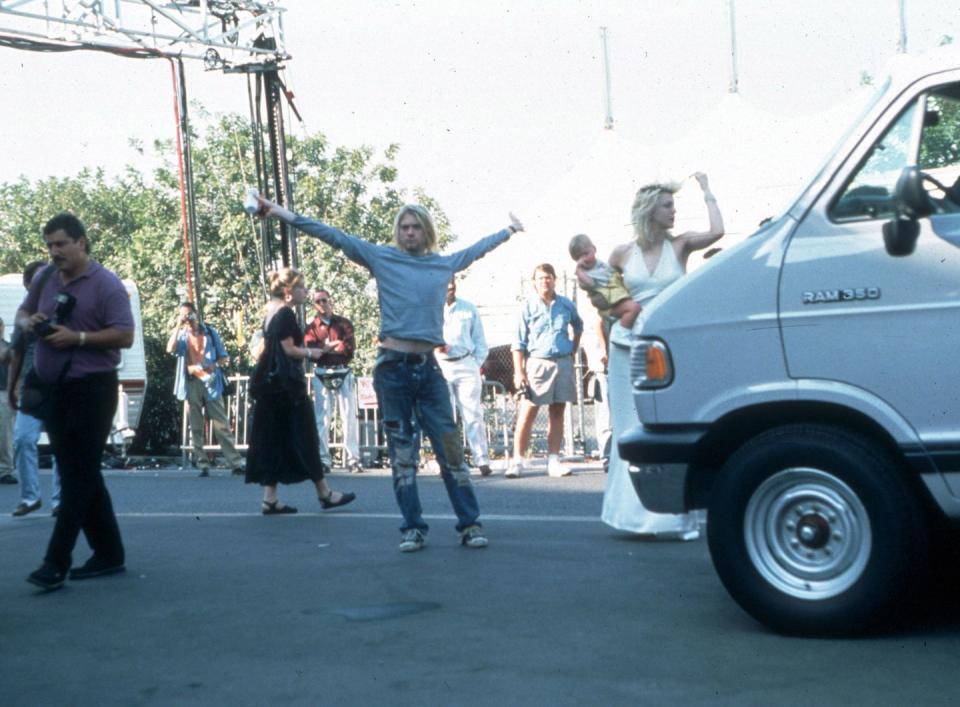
[(235, 36), (221, 33)]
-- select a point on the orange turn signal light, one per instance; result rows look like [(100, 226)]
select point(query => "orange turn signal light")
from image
[(658, 366)]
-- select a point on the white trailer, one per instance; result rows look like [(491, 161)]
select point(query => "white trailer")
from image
[(132, 369)]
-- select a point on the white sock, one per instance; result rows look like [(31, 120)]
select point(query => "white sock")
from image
[(553, 458)]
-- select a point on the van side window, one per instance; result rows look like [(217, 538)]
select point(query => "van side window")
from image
[(940, 148), (869, 193)]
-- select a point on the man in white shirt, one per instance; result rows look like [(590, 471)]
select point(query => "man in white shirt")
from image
[(460, 358)]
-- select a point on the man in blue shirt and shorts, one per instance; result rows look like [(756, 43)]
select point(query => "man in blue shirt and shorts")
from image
[(543, 354)]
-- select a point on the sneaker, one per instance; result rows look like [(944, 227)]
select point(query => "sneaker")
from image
[(412, 540), (239, 471), (355, 467), (485, 470), (204, 472), (23, 508), (555, 468), (514, 469), (48, 577), (8, 479), (472, 536), (96, 567)]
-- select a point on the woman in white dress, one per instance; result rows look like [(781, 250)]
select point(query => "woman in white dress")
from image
[(650, 263)]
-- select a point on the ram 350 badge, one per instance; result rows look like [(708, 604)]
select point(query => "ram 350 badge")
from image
[(846, 294)]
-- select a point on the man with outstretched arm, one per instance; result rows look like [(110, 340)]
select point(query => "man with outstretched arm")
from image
[(411, 288)]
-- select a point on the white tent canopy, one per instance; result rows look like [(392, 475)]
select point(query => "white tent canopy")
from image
[(756, 161)]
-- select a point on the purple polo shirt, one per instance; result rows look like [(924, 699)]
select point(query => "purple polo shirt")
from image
[(102, 303)]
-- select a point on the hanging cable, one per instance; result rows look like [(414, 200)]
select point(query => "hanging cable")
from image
[(183, 189)]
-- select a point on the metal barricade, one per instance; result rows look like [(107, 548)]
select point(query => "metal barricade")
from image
[(239, 407), (499, 413)]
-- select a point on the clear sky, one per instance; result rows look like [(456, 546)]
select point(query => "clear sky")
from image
[(493, 101)]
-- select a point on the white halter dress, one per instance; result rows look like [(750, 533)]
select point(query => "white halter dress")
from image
[(621, 506)]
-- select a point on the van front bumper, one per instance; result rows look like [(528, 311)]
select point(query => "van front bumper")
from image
[(659, 459)]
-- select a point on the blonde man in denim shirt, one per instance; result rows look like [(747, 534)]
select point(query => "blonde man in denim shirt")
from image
[(200, 381), (411, 288)]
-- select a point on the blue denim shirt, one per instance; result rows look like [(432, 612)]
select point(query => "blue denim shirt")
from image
[(213, 351), (543, 331), (411, 289)]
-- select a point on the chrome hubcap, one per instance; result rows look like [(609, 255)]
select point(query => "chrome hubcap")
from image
[(807, 533)]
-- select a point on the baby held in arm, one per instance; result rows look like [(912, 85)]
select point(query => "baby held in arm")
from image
[(602, 283)]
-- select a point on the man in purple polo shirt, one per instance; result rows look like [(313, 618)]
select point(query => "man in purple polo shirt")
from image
[(88, 320)]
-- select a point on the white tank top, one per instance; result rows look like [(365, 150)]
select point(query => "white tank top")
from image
[(643, 285)]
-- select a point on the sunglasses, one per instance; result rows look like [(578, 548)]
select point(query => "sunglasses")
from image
[(322, 300)]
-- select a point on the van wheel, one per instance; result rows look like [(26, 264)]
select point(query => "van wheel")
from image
[(815, 531)]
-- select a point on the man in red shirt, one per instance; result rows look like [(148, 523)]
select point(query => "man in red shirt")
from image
[(333, 335)]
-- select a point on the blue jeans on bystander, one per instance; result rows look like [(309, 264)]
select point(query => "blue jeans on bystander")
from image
[(26, 434)]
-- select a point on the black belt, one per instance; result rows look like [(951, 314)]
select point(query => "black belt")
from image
[(417, 359), (457, 358)]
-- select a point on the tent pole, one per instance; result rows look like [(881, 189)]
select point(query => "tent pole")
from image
[(734, 76)]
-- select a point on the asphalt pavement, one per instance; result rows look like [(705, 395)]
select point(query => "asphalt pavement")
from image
[(221, 605)]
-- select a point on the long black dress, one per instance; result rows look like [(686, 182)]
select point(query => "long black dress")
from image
[(284, 447)]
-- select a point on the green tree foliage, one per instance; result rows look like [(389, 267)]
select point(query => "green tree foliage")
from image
[(135, 229), (941, 137)]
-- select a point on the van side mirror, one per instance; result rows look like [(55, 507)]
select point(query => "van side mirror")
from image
[(900, 236), (913, 203), (911, 197)]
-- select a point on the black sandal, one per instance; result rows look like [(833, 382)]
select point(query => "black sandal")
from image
[(271, 509), (345, 498)]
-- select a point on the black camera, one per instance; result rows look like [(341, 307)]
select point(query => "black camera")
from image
[(65, 304), (43, 328)]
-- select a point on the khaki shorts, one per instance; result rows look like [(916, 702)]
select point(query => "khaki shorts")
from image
[(551, 380)]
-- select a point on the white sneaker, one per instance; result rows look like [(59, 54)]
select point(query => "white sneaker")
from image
[(555, 468), (473, 536), (412, 540), (514, 469)]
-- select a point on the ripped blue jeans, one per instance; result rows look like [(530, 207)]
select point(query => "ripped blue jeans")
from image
[(411, 386)]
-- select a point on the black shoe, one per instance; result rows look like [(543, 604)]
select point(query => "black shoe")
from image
[(273, 509), (204, 472), (48, 577), (8, 479), (345, 498), (485, 470), (239, 471), (23, 508), (96, 567), (55, 512)]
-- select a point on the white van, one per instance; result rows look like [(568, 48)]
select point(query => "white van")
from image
[(803, 385), (132, 370)]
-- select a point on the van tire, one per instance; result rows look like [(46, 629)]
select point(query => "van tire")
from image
[(815, 531)]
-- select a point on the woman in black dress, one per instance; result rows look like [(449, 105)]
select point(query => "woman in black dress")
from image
[(284, 447)]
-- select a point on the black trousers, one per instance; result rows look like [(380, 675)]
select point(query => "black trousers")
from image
[(83, 414)]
